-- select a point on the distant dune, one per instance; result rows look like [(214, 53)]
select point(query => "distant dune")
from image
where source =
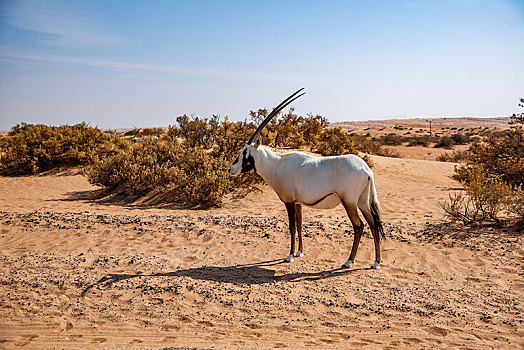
[(492, 121)]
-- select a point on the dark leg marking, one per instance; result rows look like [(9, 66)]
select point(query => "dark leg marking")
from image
[(375, 231), (292, 225), (298, 215), (358, 227)]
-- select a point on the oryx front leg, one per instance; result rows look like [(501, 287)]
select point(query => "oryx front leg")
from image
[(298, 219), (291, 214)]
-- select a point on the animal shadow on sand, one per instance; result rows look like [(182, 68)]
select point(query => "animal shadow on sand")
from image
[(256, 273)]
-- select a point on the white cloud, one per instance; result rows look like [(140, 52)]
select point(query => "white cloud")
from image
[(10, 54), (59, 23)]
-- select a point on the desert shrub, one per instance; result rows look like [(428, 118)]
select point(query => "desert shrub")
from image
[(372, 146), (445, 142), (454, 157), (391, 139), (460, 139), (418, 141), (290, 129), (518, 118), (195, 132), (333, 141), (171, 171), (501, 154), (35, 148), (485, 199), (493, 179), (151, 132)]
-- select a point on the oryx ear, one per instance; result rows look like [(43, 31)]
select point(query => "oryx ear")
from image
[(257, 141)]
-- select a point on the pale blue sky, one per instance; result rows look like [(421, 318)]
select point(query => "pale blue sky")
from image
[(142, 63)]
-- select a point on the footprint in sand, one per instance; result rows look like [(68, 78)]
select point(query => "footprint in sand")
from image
[(24, 340), (437, 331), (64, 326), (99, 340)]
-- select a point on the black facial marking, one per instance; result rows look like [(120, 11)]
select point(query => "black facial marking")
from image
[(248, 163)]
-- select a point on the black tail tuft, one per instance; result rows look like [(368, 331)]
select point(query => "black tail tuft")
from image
[(376, 220)]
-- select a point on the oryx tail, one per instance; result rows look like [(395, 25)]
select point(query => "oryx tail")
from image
[(375, 209)]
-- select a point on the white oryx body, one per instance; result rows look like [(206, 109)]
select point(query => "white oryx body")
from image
[(318, 182)]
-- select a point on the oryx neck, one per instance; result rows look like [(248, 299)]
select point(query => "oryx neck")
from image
[(267, 162)]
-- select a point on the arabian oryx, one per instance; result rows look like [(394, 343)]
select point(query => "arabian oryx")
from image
[(318, 182)]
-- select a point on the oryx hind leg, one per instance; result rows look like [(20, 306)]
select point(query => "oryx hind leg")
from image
[(291, 214), (358, 227), (298, 219), (366, 211)]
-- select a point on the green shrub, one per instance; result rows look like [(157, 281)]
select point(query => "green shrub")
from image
[(35, 148)]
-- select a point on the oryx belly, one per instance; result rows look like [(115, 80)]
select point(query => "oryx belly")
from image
[(329, 202)]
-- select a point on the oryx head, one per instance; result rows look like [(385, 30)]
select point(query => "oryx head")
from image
[(245, 161)]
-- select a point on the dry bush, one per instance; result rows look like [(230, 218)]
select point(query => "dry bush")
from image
[(493, 179), (445, 142), (501, 154), (391, 139), (485, 199), (174, 172), (35, 148), (460, 139), (418, 141), (454, 157), (334, 141), (372, 146)]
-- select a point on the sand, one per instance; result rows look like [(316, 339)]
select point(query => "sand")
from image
[(78, 273)]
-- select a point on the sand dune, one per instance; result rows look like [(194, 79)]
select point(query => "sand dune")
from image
[(77, 273)]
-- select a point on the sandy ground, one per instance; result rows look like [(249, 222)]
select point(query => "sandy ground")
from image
[(76, 273)]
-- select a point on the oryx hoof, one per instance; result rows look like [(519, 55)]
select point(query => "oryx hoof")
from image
[(289, 258), (347, 264), (299, 254), (376, 265)]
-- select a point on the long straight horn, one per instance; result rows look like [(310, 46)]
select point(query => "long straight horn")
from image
[(274, 112)]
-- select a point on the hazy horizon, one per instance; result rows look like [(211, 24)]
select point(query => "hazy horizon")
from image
[(123, 63)]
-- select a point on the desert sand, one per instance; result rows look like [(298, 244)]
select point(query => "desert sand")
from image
[(81, 273)]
